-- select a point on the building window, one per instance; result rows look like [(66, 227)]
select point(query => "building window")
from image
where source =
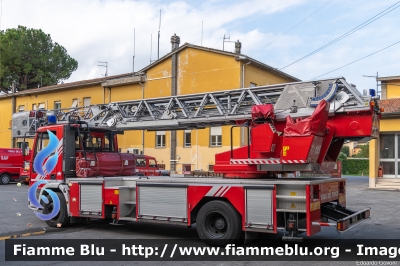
[(160, 139), (75, 103), (86, 101), (211, 168), (41, 106), (57, 105), (252, 85), (21, 108), (187, 138), (19, 144), (34, 106), (215, 136)]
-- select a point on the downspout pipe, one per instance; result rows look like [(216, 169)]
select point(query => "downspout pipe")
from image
[(242, 128), (141, 84)]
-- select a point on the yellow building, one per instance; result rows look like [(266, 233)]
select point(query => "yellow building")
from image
[(187, 69), (385, 151), (354, 147)]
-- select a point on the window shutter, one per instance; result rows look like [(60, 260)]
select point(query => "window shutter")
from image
[(215, 131)]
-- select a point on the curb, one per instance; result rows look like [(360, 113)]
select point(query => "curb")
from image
[(23, 233)]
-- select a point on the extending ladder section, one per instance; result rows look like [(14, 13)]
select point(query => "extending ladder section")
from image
[(204, 109)]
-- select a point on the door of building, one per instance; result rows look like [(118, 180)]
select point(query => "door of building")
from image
[(389, 154)]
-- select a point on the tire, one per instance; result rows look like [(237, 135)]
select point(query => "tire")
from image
[(5, 179), (62, 217), (218, 223)]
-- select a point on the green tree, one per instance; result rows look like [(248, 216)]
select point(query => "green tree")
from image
[(31, 58), (364, 152), (346, 150), (342, 156)]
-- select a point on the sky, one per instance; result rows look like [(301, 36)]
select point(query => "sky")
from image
[(274, 32)]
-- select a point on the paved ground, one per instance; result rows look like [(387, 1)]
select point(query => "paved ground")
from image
[(15, 216)]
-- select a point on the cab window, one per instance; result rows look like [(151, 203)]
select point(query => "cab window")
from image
[(152, 163), (141, 162)]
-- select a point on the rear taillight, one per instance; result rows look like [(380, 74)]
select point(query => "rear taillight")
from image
[(366, 214), (343, 225)]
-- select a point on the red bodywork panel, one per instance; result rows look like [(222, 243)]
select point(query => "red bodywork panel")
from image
[(74, 203), (305, 148), (266, 137)]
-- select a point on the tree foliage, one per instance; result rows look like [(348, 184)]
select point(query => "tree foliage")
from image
[(355, 167), (31, 58), (342, 156), (346, 150), (364, 152)]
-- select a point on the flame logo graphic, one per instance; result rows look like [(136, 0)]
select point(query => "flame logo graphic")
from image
[(39, 165), (44, 164), (35, 202)]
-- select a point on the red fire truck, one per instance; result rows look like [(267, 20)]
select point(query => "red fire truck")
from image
[(10, 164), (290, 127)]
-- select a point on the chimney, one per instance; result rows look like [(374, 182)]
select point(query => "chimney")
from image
[(175, 40), (238, 47)]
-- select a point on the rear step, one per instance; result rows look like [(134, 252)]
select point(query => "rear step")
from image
[(345, 218)]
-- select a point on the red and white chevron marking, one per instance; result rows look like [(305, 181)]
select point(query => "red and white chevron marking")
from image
[(218, 191), (324, 224), (266, 161)]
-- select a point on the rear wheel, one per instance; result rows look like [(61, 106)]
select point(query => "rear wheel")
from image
[(218, 223), (5, 179), (62, 218)]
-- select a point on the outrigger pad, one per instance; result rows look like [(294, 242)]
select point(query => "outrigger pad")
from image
[(313, 125)]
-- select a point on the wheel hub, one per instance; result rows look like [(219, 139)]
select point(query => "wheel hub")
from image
[(220, 224)]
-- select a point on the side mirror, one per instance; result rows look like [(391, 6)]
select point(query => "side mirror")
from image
[(25, 148)]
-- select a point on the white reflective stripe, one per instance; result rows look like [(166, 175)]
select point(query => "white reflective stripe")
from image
[(212, 191), (218, 191), (223, 191)]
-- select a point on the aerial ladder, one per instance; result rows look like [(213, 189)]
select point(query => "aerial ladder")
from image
[(291, 127)]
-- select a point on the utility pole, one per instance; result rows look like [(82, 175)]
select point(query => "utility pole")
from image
[(133, 58), (158, 48), (377, 82)]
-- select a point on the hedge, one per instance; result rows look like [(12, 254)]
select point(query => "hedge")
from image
[(355, 167)]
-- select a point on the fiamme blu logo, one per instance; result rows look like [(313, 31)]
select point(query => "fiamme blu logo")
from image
[(44, 163)]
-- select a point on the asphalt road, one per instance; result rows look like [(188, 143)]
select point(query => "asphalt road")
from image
[(16, 219)]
